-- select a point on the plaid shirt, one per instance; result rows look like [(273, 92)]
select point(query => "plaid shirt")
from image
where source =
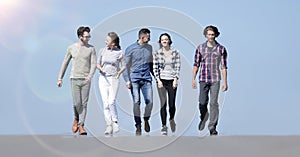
[(159, 63), (209, 61)]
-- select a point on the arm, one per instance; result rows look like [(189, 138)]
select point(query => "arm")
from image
[(177, 69), (93, 65), (151, 62), (64, 68), (195, 71), (99, 61), (224, 75), (197, 60), (156, 72), (123, 66), (126, 74), (224, 70)]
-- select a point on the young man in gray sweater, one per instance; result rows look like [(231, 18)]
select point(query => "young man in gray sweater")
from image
[(83, 57)]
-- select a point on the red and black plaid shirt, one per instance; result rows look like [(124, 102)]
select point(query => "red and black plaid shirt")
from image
[(209, 60)]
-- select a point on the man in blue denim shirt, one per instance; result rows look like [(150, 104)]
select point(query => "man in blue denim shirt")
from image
[(138, 57)]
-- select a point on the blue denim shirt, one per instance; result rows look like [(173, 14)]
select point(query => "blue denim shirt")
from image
[(139, 62)]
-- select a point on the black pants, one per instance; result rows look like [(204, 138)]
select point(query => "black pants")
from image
[(162, 92)]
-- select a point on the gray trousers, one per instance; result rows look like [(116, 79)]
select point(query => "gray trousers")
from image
[(80, 92), (213, 90)]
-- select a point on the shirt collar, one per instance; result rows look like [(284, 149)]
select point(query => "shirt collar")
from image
[(204, 45), (114, 49)]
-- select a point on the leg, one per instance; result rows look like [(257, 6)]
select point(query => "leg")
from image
[(148, 96), (203, 101), (135, 92), (172, 107), (163, 104), (76, 97), (214, 106), (172, 99), (103, 87), (85, 91), (113, 89)]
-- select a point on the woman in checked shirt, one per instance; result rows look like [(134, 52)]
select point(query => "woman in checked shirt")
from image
[(166, 67)]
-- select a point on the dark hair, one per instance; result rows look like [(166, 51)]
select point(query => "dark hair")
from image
[(82, 29), (114, 39), (211, 28), (166, 34), (144, 31)]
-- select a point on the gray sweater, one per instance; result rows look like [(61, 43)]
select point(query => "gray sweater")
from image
[(83, 61)]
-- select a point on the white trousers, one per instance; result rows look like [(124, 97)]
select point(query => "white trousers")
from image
[(108, 89)]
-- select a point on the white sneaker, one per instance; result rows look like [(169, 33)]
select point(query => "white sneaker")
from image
[(115, 127), (108, 130)]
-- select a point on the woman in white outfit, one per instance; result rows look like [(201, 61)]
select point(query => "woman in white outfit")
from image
[(111, 64)]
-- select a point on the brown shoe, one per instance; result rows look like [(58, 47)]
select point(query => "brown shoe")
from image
[(75, 126), (81, 130)]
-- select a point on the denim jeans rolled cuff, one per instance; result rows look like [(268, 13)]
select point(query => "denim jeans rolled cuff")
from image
[(137, 120)]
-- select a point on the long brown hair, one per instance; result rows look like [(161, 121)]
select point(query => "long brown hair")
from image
[(114, 39)]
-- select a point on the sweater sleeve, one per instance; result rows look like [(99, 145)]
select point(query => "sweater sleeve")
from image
[(93, 63), (65, 64)]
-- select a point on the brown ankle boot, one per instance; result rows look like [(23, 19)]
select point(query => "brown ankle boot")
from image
[(75, 126), (81, 130)]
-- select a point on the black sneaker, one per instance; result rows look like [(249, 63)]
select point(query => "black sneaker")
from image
[(164, 130), (213, 132), (201, 125), (173, 125), (147, 126), (138, 131)]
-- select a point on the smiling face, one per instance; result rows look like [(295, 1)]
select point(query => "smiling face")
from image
[(85, 37), (165, 41), (108, 42), (145, 38)]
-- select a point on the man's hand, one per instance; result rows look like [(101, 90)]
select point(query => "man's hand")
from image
[(128, 85), (88, 79), (224, 87), (59, 83), (194, 84)]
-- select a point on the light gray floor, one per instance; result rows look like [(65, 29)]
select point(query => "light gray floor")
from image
[(149, 146)]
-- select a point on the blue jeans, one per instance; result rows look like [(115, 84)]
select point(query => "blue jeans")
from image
[(146, 88)]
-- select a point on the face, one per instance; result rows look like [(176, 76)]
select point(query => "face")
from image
[(210, 35), (85, 37), (164, 41), (108, 42), (145, 38)]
